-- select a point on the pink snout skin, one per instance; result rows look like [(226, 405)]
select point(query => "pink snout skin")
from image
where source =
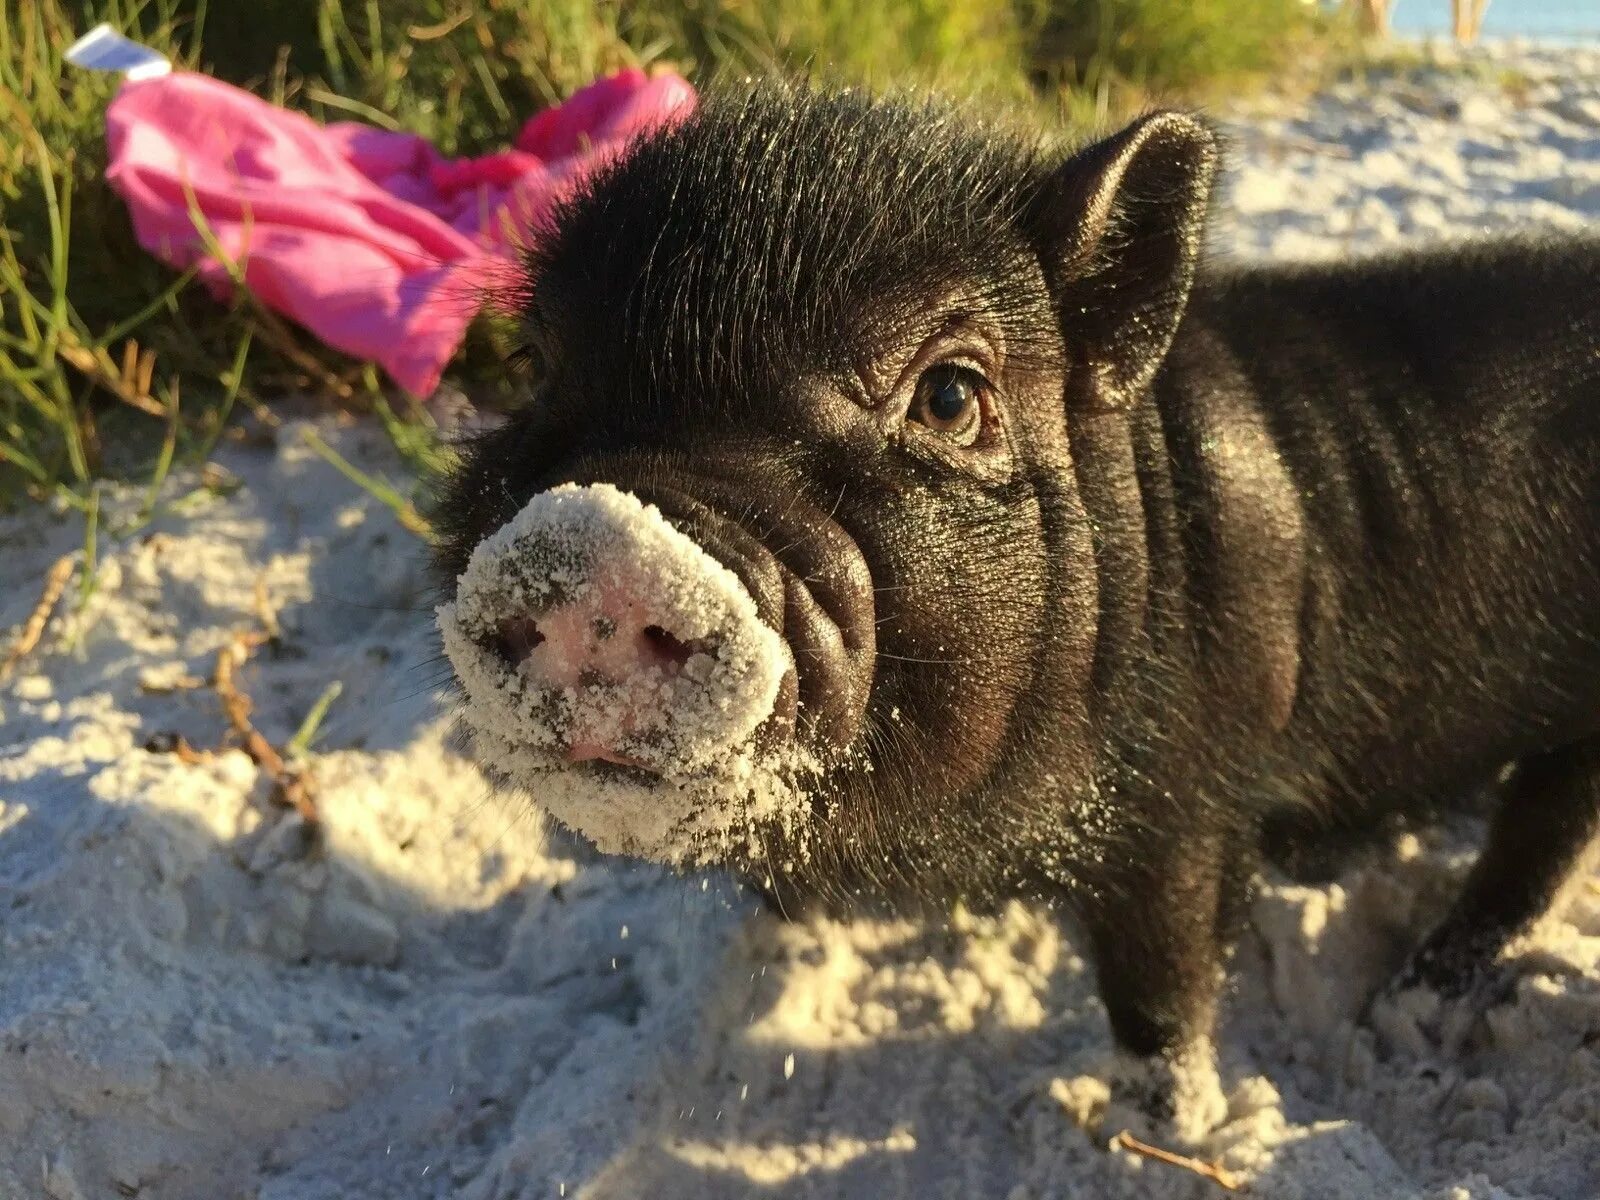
[(608, 637)]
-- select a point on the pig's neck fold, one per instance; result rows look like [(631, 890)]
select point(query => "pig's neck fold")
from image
[(1199, 542)]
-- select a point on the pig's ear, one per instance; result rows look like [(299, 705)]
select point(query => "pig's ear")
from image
[(1119, 228)]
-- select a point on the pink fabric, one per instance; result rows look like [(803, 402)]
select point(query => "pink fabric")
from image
[(373, 240)]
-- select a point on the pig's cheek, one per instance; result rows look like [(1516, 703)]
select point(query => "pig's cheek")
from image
[(962, 699)]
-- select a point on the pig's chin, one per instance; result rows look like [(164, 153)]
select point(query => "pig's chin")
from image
[(731, 813)]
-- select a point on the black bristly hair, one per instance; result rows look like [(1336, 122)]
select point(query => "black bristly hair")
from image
[(777, 231)]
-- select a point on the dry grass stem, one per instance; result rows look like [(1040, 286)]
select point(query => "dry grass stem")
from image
[(129, 383), (265, 613), (1215, 1172), (292, 786), (55, 582), (183, 683)]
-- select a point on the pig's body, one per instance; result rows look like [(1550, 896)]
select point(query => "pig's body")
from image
[(1437, 416), (1369, 580), (1094, 565)]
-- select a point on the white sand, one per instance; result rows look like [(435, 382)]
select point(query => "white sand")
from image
[(446, 1000)]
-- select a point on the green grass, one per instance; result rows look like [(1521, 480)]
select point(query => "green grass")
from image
[(1159, 46), (112, 366)]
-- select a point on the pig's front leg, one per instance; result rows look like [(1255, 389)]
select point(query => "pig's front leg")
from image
[(1159, 932)]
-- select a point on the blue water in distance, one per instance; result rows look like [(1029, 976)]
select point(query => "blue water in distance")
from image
[(1528, 18)]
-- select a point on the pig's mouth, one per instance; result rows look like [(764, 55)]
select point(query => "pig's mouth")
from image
[(657, 673)]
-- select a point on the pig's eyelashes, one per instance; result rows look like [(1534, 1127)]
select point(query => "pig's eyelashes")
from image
[(949, 401)]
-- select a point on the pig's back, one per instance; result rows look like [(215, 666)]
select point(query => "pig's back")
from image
[(1439, 413)]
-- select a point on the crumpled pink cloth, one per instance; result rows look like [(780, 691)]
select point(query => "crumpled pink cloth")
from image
[(372, 240)]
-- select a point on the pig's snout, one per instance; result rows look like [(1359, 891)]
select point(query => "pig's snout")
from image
[(573, 643), (590, 628), (607, 639)]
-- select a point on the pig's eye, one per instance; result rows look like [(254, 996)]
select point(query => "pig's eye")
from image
[(948, 402)]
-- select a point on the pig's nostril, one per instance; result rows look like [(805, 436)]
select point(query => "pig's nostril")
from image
[(515, 638), (666, 647)]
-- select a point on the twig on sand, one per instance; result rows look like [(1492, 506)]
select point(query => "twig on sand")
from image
[(1216, 1172), (292, 786), (265, 613), (55, 582)]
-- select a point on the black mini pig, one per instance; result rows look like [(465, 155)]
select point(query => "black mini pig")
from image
[(1096, 563)]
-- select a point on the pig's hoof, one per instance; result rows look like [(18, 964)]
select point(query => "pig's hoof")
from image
[(1449, 970), (1429, 1013), (1174, 1097)]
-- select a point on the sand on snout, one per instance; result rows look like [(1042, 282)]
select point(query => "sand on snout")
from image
[(443, 995), (704, 782)]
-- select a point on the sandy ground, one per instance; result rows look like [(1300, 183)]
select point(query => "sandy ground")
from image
[(443, 998)]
